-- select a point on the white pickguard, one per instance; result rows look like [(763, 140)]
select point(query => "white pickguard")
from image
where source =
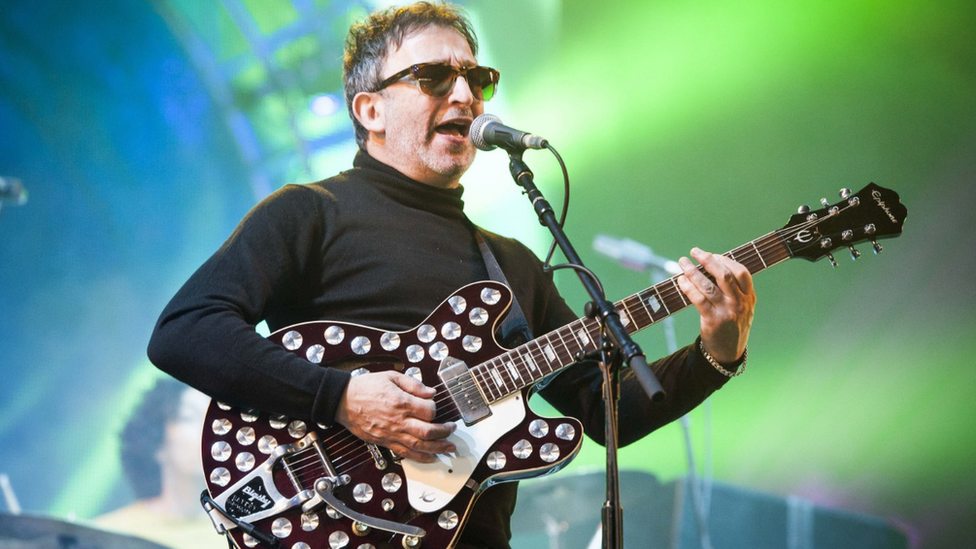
[(431, 486)]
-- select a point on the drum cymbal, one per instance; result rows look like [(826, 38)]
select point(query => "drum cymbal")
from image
[(40, 532)]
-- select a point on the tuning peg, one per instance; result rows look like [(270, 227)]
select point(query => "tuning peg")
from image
[(870, 228), (877, 247), (803, 209), (847, 234), (845, 193), (824, 202), (854, 253), (832, 260)]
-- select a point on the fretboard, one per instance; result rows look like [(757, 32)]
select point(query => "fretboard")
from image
[(527, 364)]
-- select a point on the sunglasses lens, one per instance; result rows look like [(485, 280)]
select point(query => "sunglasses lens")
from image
[(484, 79), (435, 80)]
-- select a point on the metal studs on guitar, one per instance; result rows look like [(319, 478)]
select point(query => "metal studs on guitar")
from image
[(220, 476), (220, 451), (360, 345), (549, 452), (281, 528), (338, 540), (490, 296), (250, 416), (565, 431), (245, 436), (249, 541), (415, 373), (334, 335), (221, 426), (438, 351), (314, 354), (390, 341), (496, 460), (301, 545), (426, 333), (471, 344), (310, 521), (451, 330), (415, 353), (278, 421), (458, 304), (297, 429), (391, 482), (362, 492), (538, 428), (292, 340), (223, 406), (478, 316), (244, 461), (447, 520), (267, 444), (522, 449)]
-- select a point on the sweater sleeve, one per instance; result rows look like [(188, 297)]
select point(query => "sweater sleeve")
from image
[(205, 336)]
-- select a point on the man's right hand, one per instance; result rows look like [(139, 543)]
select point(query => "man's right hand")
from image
[(396, 411)]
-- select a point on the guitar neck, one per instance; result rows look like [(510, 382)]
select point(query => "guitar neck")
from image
[(527, 364)]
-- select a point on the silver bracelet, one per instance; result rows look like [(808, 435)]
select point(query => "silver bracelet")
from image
[(717, 366)]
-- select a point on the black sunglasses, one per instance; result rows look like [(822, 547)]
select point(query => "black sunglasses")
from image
[(437, 79)]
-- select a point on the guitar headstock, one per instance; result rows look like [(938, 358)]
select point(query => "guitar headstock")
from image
[(871, 214)]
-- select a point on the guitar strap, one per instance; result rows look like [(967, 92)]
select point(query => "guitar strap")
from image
[(514, 330)]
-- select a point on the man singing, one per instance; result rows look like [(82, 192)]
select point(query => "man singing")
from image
[(385, 243)]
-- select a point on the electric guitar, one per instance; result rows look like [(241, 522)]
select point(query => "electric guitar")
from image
[(278, 481)]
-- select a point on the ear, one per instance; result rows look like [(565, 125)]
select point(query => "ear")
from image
[(368, 108)]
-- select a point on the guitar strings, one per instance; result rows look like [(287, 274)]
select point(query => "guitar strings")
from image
[(751, 259)]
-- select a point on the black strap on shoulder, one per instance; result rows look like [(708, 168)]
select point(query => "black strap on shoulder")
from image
[(514, 330)]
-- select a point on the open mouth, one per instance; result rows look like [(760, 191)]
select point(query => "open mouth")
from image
[(454, 128)]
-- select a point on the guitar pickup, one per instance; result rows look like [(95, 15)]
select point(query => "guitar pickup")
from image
[(464, 390)]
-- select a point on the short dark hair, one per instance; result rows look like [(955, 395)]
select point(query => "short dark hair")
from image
[(145, 433), (369, 41)]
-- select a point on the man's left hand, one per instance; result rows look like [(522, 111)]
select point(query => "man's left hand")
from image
[(726, 306)]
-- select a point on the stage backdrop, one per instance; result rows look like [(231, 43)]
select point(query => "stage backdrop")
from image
[(144, 130)]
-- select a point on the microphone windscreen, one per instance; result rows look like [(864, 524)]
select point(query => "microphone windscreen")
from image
[(477, 131)]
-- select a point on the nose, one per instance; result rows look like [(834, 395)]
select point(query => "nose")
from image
[(461, 92)]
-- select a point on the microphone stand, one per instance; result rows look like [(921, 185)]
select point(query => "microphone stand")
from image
[(616, 347)]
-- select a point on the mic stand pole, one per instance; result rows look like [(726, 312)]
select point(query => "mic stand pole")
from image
[(616, 346)]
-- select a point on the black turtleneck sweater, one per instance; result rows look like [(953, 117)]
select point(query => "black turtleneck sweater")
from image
[(374, 247)]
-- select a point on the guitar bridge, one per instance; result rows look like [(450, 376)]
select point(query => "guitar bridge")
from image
[(463, 389)]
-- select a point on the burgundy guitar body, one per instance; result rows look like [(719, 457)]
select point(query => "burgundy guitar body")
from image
[(263, 468)]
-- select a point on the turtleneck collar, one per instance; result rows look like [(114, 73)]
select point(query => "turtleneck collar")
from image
[(407, 191)]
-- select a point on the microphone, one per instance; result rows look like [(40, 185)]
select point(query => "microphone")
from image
[(633, 255), (13, 191), (488, 132)]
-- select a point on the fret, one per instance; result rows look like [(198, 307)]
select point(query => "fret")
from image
[(684, 300), (583, 337), (497, 377), (549, 353), (663, 301), (513, 371), (624, 313), (531, 361), (492, 389)]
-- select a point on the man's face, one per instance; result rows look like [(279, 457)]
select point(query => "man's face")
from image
[(425, 137)]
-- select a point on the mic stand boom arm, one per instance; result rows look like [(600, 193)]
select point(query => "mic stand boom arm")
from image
[(620, 341)]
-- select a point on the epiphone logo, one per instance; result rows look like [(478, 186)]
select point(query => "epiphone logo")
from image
[(881, 203), (804, 236)]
